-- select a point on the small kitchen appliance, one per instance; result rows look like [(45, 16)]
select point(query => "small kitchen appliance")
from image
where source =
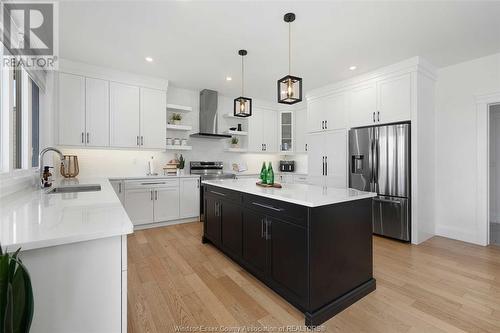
[(287, 166)]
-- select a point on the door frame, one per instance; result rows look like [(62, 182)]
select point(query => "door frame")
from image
[(483, 104)]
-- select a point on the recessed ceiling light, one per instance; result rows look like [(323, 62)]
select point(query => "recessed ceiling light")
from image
[(352, 68), (149, 59), (228, 78)]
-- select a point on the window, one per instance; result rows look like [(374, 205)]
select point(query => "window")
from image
[(19, 119)]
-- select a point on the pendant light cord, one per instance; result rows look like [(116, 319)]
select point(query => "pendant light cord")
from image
[(242, 78), (289, 48)]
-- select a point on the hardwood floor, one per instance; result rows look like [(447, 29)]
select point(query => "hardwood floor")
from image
[(439, 286)]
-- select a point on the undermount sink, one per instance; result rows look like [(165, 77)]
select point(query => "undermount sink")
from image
[(75, 188)]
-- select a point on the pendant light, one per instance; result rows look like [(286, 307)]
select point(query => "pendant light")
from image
[(242, 105), (289, 87)]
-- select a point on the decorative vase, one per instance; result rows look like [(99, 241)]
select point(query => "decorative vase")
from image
[(234, 145), (177, 122)]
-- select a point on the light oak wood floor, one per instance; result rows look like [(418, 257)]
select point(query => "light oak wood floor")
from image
[(439, 286)]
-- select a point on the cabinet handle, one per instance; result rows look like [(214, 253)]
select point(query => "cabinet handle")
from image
[(217, 209), (82, 137), (88, 137), (326, 165), (373, 116), (268, 207), (198, 182), (268, 234), (323, 158), (262, 228), (305, 147), (142, 140), (151, 195), (322, 124), (156, 195), (138, 140), (157, 183), (218, 193), (378, 116), (119, 187), (326, 124)]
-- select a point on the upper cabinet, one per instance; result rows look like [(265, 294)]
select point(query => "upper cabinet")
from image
[(71, 110), (100, 113), (286, 131), (386, 100), (153, 118), (394, 99), (300, 125), (83, 111), (97, 112), (327, 113), (362, 105), (262, 127), (124, 115)]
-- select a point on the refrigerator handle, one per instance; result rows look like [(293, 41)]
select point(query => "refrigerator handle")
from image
[(376, 152)]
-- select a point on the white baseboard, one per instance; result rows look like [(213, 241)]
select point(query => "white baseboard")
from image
[(166, 223), (458, 234)]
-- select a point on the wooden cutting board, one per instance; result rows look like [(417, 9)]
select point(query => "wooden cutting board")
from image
[(275, 185)]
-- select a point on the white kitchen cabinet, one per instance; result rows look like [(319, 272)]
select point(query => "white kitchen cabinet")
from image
[(386, 100), (139, 205), (153, 118), (394, 99), (189, 197), (71, 110), (327, 158), (269, 127), (166, 203), (96, 112), (327, 113), (363, 105), (300, 125), (119, 189), (286, 131), (262, 128), (255, 131), (124, 115)]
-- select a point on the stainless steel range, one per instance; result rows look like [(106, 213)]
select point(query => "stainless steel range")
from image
[(208, 171)]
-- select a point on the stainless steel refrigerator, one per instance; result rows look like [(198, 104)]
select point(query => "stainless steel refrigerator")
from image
[(379, 161)]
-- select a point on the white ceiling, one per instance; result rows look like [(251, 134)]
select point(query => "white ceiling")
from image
[(194, 44)]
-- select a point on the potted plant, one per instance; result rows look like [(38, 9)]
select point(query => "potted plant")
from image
[(176, 118), (182, 164), (16, 294), (234, 142)]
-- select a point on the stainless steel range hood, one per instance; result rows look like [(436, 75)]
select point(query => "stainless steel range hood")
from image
[(208, 116)]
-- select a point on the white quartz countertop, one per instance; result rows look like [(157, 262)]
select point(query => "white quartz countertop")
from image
[(33, 219), (300, 194)]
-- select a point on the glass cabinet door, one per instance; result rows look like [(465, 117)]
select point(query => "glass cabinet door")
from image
[(286, 131)]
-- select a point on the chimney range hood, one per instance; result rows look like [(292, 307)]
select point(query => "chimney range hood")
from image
[(208, 116)]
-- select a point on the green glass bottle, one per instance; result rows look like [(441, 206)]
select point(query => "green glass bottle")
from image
[(270, 175), (263, 173)]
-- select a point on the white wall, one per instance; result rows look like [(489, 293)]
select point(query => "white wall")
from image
[(456, 144), (495, 164), (109, 162)]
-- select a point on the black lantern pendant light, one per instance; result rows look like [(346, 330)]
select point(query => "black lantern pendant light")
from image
[(289, 87), (242, 105)]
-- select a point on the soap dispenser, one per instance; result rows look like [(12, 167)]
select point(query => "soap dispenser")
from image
[(47, 176)]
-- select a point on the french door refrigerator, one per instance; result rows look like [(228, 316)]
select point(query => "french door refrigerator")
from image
[(379, 161)]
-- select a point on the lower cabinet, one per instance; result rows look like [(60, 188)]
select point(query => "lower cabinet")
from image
[(161, 200), (254, 241), (166, 204), (139, 205), (231, 227), (272, 248)]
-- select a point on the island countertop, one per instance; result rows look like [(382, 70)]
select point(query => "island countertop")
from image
[(33, 218), (300, 194)]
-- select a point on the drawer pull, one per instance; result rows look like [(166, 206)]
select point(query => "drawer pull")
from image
[(218, 193), (268, 207), (160, 183)]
